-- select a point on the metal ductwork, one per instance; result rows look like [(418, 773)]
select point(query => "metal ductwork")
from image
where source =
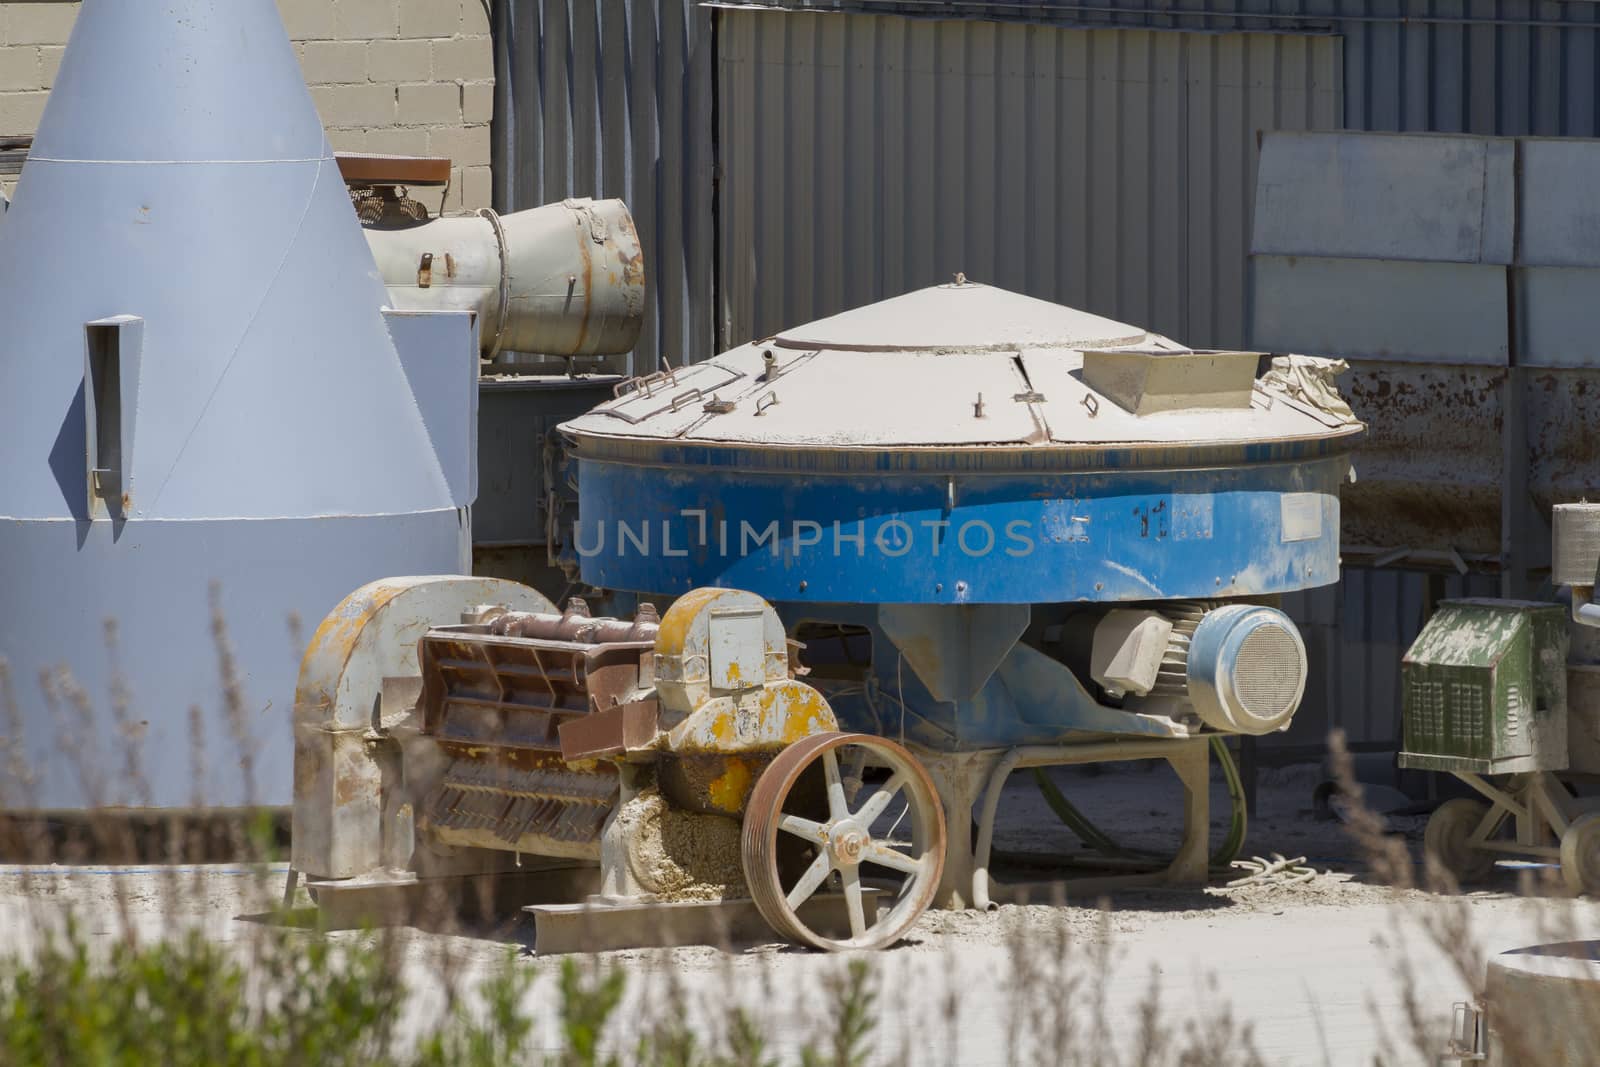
[(566, 279), (200, 383)]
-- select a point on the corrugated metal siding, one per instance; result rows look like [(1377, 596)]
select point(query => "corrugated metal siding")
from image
[(613, 98), (1507, 67), (1111, 170)]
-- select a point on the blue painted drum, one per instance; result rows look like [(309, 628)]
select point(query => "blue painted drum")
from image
[(1038, 538), (65, 581)]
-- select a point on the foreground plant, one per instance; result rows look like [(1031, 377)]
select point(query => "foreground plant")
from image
[(194, 1001)]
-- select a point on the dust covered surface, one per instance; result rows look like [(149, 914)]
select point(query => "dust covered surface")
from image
[(682, 855), (1313, 967)]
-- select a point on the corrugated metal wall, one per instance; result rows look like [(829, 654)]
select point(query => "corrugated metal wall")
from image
[(1505, 67), (1111, 170), (613, 98)]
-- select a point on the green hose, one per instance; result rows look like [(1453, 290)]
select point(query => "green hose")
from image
[(1097, 839), (1239, 822)]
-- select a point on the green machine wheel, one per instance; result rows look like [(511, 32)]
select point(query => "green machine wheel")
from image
[(1448, 839), (1580, 854)]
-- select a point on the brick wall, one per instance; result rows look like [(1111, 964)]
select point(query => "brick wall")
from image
[(407, 77)]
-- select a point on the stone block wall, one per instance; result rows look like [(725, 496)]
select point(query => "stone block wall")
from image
[(403, 77)]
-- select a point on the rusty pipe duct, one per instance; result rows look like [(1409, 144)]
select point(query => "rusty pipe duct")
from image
[(566, 279)]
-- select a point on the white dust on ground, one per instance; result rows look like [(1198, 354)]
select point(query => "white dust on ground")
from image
[(1309, 965)]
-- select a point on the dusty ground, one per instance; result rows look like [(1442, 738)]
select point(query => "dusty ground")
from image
[(1313, 967)]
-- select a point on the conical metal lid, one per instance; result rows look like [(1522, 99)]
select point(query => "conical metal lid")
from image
[(955, 366), (209, 81), (180, 175), (962, 317)]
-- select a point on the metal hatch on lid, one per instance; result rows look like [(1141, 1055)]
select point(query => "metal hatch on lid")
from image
[(1077, 413), (883, 399), (667, 403)]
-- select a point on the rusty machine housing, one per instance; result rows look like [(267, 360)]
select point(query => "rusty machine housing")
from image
[(451, 726)]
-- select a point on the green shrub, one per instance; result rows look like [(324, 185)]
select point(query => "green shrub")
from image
[(191, 1001)]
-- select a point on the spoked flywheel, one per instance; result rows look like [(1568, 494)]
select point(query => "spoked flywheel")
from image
[(808, 825)]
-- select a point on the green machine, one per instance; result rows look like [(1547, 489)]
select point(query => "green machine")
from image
[(1494, 694), (1485, 689)]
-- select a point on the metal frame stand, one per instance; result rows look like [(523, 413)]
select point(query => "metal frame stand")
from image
[(1550, 827), (1541, 809), (962, 777)]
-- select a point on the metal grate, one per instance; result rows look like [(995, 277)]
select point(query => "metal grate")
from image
[(1513, 713), (509, 802), (1577, 543), (13, 154), (1270, 672), (1468, 718), (1425, 709)]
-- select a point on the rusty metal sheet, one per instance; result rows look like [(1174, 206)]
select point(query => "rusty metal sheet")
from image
[(612, 732), (1428, 472), (494, 699), (544, 807), (1431, 471), (1563, 447), (365, 169)]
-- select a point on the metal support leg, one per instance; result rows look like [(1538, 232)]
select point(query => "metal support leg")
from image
[(1190, 758), (1551, 798), (986, 817), (1192, 762), (1528, 824), (959, 777), (616, 873)]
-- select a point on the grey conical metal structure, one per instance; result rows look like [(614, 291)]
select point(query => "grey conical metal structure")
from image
[(198, 384)]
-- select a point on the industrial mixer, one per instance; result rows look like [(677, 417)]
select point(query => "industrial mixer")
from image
[(1009, 533), (991, 532)]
